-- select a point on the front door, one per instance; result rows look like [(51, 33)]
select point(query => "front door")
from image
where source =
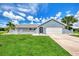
[(41, 30)]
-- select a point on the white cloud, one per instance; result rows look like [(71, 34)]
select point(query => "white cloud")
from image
[(77, 12), (76, 25), (32, 19), (24, 10), (36, 20), (58, 14), (8, 14), (40, 18), (15, 22), (57, 17), (30, 8), (68, 13), (12, 16), (77, 15), (52, 17), (44, 20), (34, 8), (18, 18), (2, 25), (22, 14)]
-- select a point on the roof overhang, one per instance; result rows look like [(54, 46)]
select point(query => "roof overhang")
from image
[(27, 26)]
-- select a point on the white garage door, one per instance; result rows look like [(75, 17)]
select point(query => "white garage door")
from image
[(53, 30)]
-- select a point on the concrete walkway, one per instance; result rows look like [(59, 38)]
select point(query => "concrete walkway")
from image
[(69, 43)]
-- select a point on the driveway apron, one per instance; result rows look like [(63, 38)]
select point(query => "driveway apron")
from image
[(69, 43)]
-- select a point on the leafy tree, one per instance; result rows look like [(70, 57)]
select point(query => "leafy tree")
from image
[(2, 29), (10, 26), (69, 20)]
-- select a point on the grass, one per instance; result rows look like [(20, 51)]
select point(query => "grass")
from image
[(2, 32), (76, 34), (28, 45)]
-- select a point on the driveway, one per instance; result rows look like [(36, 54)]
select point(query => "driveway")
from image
[(69, 43)]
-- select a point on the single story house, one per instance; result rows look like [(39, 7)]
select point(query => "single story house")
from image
[(49, 27)]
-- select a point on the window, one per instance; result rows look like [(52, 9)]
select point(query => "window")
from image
[(32, 28)]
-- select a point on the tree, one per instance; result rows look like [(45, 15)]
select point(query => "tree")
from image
[(2, 29), (69, 20), (10, 26)]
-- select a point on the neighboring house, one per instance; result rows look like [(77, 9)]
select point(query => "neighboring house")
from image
[(49, 27)]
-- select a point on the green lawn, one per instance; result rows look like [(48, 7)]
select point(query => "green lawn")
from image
[(2, 32), (28, 45), (75, 34)]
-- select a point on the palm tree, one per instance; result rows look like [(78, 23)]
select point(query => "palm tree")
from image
[(10, 26), (69, 20)]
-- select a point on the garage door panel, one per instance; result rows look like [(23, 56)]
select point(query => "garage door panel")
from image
[(53, 30)]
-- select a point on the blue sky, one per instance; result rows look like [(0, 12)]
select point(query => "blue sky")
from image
[(36, 13)]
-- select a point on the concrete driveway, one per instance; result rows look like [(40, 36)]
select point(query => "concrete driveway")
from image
[(69, 43)]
